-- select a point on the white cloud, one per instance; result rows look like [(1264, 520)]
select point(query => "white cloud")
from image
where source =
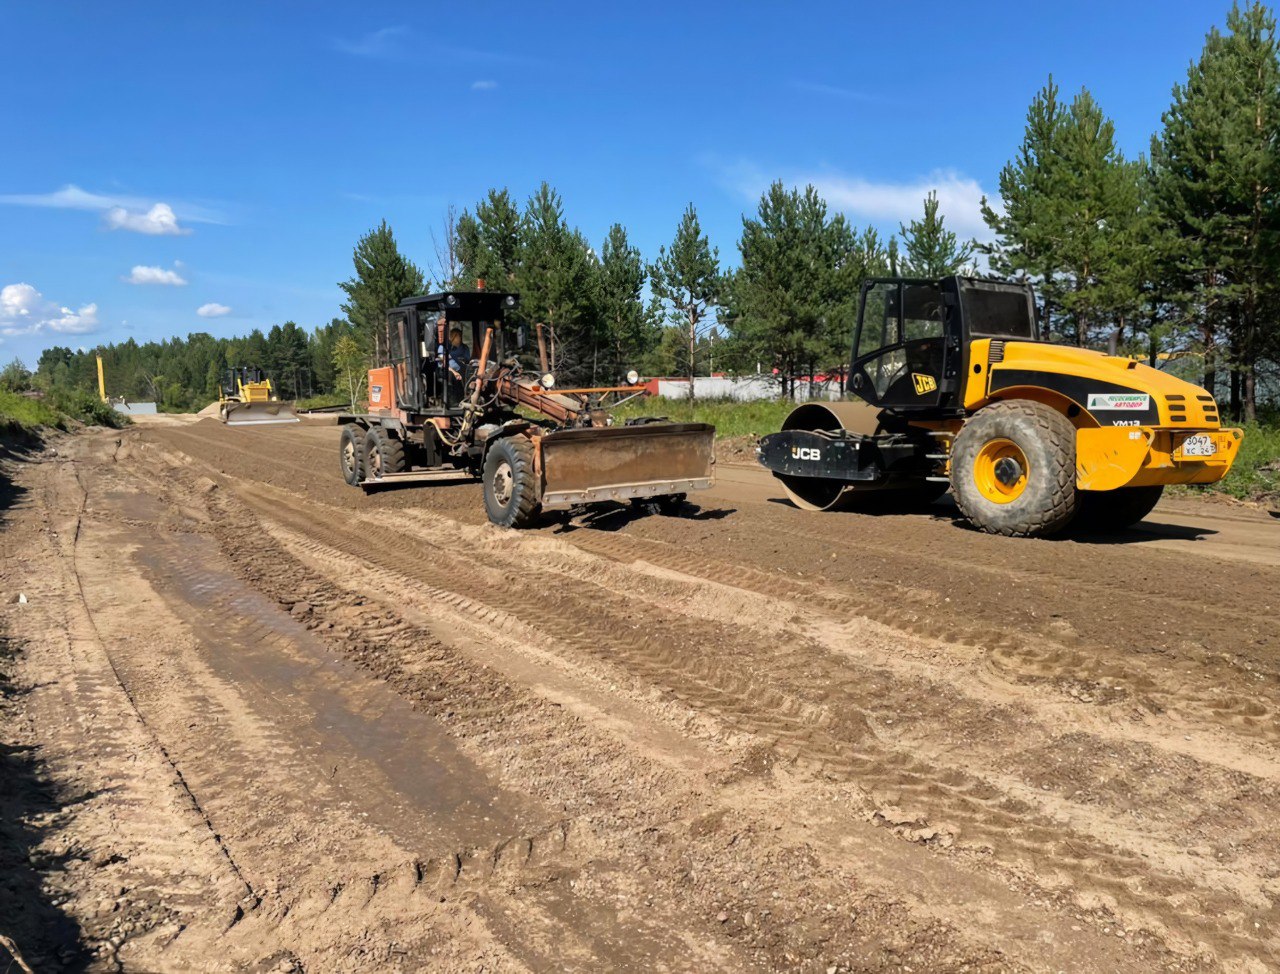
[(120, 211), (378, 44), (885, 203), (142, 274), (484, 85), (18, 300), (213, 310), (157, 221), (24, 311)]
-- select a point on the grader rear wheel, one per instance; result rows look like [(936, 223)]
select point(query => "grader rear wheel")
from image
[(351, 454), (384, 453)]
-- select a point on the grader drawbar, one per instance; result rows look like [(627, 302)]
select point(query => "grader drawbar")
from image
[(954, 387), (437, 412)]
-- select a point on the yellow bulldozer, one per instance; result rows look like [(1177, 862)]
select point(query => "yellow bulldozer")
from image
[(955, 388), (247, 398)]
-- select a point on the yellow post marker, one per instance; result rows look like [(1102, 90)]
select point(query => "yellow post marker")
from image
[(102, 382)]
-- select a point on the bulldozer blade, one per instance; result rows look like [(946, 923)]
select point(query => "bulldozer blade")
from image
[(583, 466), (257, 413)]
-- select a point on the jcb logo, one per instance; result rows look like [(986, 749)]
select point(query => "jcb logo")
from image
[(806, 453), (924, 383)]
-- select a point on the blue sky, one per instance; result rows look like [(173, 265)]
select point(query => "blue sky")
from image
[(171, 168)]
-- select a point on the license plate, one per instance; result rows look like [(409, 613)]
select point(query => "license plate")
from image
[(1199, 446)]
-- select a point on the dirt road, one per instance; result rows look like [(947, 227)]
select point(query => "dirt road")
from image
[(257, 720)]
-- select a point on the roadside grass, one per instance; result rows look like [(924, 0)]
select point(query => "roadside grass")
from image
[(730, 417), (1256, 473), (24, 415), (321, 402)]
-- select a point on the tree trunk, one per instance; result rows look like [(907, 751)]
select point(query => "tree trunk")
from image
[(693, 348), (1234, 407), (1250, 394)]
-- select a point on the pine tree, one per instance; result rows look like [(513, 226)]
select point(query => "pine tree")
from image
[(628, 326), (1215, 172), (791, 303), (489, 243), (686, 280), (1096, 202), (384, 278), (931, 250), (1027, 228), (556, 278)]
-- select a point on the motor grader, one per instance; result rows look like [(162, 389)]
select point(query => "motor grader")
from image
[(437, 413), (954, 387)]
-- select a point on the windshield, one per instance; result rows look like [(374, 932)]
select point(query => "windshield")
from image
[(998, 310)]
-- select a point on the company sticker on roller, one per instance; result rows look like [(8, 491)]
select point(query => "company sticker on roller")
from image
[(1116, 400), (924, 383)]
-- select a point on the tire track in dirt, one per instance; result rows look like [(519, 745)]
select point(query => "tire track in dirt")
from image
[(808, 733), (467, 695), (807, 701)]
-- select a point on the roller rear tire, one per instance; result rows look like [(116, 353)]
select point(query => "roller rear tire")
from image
[(1013, 469), (1115, 510)]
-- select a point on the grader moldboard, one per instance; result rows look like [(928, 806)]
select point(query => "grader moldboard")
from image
[(956, 388), (437, 416)]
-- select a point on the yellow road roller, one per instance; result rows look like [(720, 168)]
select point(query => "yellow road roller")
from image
[(954, 387)]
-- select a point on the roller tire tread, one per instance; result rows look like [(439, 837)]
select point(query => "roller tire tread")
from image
[(1059, 438)]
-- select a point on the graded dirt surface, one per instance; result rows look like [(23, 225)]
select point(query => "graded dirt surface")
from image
[(255, 719)]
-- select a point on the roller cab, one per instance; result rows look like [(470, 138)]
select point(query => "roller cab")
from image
[(955, 388)]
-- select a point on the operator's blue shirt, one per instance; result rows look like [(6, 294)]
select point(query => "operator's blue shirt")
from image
[(459, 356)]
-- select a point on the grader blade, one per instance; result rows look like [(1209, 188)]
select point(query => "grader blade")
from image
[(621, 463), (257, 413)]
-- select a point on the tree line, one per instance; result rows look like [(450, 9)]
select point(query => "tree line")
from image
[(1172, 256), (184, 374)]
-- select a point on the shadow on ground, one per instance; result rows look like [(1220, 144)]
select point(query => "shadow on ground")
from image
[(618, 516), (30, 809), (15, 447)]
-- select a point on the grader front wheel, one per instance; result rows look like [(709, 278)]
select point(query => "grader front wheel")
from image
[(1013, 469), (512, 496)]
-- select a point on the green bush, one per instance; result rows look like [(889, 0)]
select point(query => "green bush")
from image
[(729, 416), (86, 408), (20, 413), (1256, 473)]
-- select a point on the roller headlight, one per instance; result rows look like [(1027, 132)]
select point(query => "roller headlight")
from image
[(633, 377), (548, 380)]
